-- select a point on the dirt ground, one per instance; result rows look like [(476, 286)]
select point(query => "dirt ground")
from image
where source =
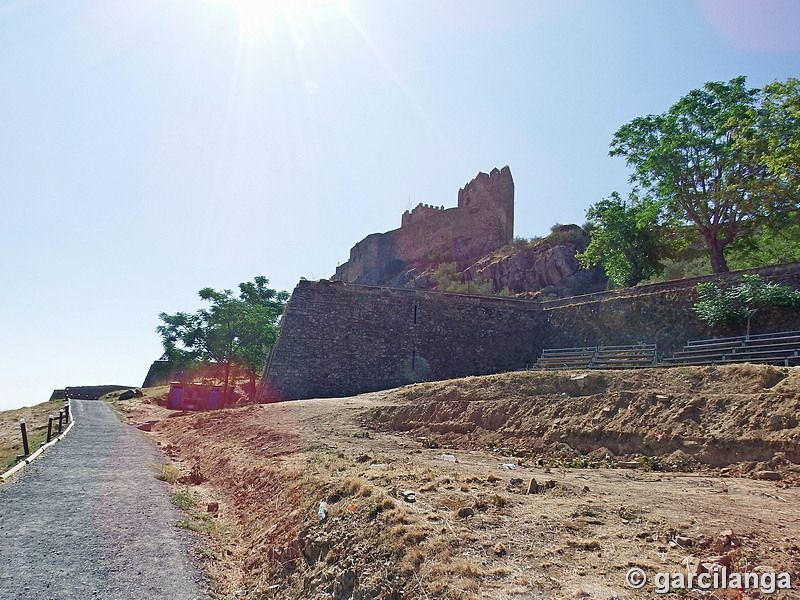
[(521, 485)]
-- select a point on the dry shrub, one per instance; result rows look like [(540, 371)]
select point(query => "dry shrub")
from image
[(414, 536), (458, 567), (429, 487), (400, 515), (500, 501), (412, 560), (355, 486)]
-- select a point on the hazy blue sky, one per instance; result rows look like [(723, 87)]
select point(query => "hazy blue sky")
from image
[(149, 148)]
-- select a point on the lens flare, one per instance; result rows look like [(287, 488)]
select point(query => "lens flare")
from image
[(257, 15)]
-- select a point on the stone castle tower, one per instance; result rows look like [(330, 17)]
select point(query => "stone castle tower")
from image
[(482, 222)]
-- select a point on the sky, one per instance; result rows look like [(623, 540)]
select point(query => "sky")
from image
[(149, 149)]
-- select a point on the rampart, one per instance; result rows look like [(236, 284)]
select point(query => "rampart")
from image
[(482, 222), (341, 339)]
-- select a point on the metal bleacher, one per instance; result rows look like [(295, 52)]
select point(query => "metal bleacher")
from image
[(599, 357), (781, 348), (566, 358)]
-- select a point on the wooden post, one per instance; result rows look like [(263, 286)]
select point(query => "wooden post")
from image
[(24, 429), (66, 412), (50, 427), (60, 420)]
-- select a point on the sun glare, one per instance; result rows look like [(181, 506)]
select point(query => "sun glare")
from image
[(256, 15)]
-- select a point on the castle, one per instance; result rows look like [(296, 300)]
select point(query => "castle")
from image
[(482, 222), (362, 332)]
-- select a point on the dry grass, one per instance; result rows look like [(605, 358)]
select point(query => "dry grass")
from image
[(36, 424)]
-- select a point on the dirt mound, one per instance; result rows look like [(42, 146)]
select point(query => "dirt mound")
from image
[(479, 488), (715, 416)]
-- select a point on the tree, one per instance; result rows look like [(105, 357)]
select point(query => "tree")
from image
[(626, 239), (779, 119), (735, 305), (712, 159), (232, 331)]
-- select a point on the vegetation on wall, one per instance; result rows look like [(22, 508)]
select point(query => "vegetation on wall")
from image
[(448, 278), (733, 306)]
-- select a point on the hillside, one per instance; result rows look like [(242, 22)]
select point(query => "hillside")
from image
[(545, 267), (427, 486)]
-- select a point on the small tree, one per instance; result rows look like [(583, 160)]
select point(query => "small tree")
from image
[(735, 305), (231, 331), (626, 239)]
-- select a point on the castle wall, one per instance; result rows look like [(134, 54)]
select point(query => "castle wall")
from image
[(658, 313), (341, 339), (482, 222)]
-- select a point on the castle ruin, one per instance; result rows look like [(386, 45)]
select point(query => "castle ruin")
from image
[(482, 222)]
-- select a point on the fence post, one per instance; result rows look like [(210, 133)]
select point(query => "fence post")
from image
[(66, 412), (50, 427), (60, 420), (24, 429)]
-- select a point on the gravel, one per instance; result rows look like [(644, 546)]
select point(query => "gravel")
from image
[(89, 520)]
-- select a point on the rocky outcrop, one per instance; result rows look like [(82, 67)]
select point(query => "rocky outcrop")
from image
[(530, 269), (542, 268)]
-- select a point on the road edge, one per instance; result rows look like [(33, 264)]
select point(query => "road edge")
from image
[(4, 478)]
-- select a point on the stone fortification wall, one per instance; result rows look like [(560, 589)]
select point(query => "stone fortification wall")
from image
[(341, 339), (482, 222), (657, 313)]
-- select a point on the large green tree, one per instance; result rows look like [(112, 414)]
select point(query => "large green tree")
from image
[(713, 159), (627, 239), (232, 331), (779, 120)]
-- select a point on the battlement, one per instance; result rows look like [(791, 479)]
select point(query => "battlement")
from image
[(488, 189), (482, 222), (420, 211)]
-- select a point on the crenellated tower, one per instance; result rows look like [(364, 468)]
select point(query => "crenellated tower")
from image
[(482, 221)]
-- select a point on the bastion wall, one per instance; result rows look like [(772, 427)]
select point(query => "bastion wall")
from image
[(340, 339)]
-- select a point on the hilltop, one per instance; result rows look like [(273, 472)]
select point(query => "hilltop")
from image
[(427, 485)]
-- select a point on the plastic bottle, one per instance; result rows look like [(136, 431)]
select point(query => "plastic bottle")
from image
[(323, 510)]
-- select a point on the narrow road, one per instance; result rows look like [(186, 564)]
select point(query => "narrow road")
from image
[(89, 520)]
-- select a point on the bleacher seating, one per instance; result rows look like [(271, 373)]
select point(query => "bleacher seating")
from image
[(625, 357), (781, 348), (599, 357), (566, 358)]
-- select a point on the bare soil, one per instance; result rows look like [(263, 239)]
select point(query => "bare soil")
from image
[(427, 486)]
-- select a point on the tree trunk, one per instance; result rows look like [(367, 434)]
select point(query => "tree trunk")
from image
[(226, 395), (716, 251), (252, 389)]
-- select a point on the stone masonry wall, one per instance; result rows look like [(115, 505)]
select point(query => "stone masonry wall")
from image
[(659, 313), (341, 339)]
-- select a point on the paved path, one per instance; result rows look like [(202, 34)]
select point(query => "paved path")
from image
[(89, 520)]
